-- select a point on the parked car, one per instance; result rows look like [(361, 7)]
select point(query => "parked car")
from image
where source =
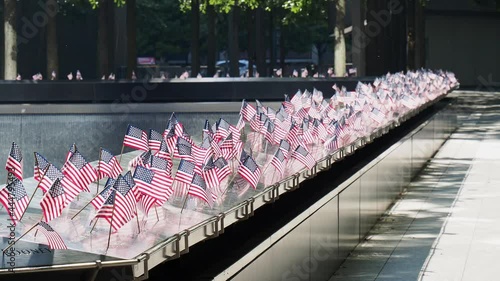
[(223, 65)]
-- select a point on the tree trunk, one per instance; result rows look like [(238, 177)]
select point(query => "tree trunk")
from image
[(10, 63), (260, 50), (419, 35), (52, 51), (211, 43), (234, 49), (272, 43), (195, 38), (102, 40), (339, 51), (251, 41), (131, 38), (282, 47)]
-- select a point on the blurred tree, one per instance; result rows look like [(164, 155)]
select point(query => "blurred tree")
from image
[(10, 61)]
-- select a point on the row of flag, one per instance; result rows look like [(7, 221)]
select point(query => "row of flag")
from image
[(263, 147)]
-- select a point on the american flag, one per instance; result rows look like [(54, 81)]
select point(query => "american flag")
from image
[(185, 171), (249, 171), (278, 161), (376, 116), (99, 200), (303, 156), (210, 174), (136, 138), (15, 161), (288, 106), (268, 130), (332, 143), (71, 150), (285, 148), (163, 164), (54, 240), (226, 147), (53, 201), (247, 111), (183, 150), (207, 130), (307, 134), (124, 204), (223, 129), (294, 136), (163, 152), (15, 199), (108, 165), (129, 178), (40, 165), (319, 130), (155, 185), (142, 159), (80, 172), (163, 170), (198, 188), (173, 123), (49, 176), (170, 138), (222, 168), (106, 209), (154, 140)]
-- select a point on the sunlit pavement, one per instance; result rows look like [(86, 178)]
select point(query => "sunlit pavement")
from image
[(447, 225)]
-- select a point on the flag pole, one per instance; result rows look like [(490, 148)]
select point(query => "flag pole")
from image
[(94, 225), (19, 238), (98, 169), (185, 200), (110, 224), (157, 217), (121, 154), (33, 195), (84, 207)]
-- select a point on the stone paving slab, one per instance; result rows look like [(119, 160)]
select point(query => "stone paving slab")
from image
[(447, 225)]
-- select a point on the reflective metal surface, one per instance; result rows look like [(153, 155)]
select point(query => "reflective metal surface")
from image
[(349, 218), (368, 212)]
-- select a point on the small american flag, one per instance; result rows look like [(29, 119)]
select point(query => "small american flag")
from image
[(304, 157), (285, 148), (247, 111), (185, 172), (222, 129), (108, 165), (332, 144), (142, 159), (101, 198), (161, 164), (278, 161), (207, 130), (15, 161), (183, 149), (154, 140), (106, 209), (268, 130), (15, 199), (54, 240), (222, 168), (163, 152), (80, 172), (124, 204), (210, 174), (154, 184), (250, 171), (71, 150), (136, 138), (53, 201), (40, 165), (198, 188), (49, 176), (376, 116)]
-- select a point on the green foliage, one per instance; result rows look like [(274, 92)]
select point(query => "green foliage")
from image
[(118, 3)]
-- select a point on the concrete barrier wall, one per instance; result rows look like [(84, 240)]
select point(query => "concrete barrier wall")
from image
[(316, 246)]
